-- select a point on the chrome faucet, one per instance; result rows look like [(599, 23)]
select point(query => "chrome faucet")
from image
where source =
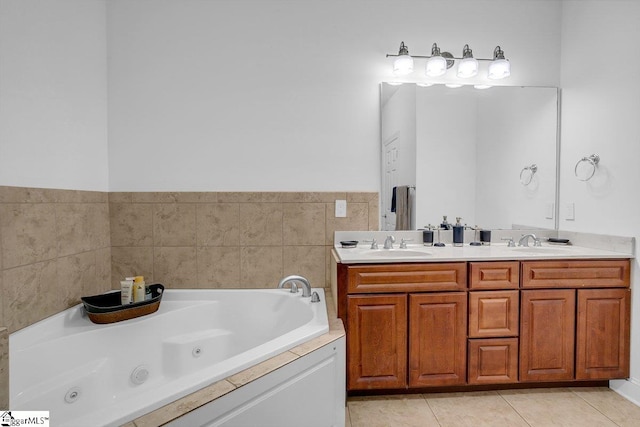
[(524, 240), (306, 286), (389, 241)]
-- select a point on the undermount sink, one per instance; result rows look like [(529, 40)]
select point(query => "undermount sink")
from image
[(397, 253), (541, 250)]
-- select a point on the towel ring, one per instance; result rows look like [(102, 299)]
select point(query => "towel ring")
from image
[(592, 161), (526, 178)]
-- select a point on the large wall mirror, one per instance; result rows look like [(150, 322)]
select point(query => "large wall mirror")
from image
[(488, 156)]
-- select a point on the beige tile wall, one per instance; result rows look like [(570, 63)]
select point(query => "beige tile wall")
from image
[(214, 240), (4, 369), (54, 248)]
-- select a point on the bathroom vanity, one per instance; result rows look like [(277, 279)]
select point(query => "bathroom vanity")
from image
[(468, 318)]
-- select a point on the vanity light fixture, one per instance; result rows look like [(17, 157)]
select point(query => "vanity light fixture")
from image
[(403, 64), (439, 62)]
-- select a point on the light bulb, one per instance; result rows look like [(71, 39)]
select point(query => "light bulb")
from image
[(403, 65), (468, 67), (499, 69), (453, 85), (436, 66)]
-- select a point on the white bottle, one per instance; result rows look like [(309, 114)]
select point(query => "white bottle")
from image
[(138, 289), (126, 291)]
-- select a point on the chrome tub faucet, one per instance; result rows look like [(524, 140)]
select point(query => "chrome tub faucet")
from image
[(295, 279)]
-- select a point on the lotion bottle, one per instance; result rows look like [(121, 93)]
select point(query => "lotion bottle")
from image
[(458, 233), (138, 289), (126, 291)]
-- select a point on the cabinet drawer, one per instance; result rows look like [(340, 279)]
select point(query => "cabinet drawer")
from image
[(493, 314), (575, 274), (494, 275), (407, 277), (493, 361)]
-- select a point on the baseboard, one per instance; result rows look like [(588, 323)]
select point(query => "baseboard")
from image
[(629, 389)]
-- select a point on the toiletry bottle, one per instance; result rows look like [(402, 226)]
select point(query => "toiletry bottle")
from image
[(458, 233), (126, 288), (427, 236), (138, 289), (147, 293), (445, 225)]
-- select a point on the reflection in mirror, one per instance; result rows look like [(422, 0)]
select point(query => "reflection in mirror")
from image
[(488, 156)]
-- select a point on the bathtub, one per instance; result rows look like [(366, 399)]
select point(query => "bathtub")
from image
[(88, 374)]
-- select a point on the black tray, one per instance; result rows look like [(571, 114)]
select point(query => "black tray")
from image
[(106, 308)]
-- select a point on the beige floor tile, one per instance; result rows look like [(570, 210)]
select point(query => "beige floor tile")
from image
[(347, 419), (473, 409), (611, 404), (387, 411), (554, 407)]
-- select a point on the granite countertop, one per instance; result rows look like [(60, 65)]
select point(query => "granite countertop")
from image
[(496, 252), (218, 389)]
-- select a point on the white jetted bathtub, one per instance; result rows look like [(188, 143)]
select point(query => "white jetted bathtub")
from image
[(87, 374)]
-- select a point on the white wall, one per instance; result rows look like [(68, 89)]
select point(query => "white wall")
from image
[(53, 94), (445, 155), (284, 95), (600, 106)]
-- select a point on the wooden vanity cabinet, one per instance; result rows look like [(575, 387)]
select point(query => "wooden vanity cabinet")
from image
[(406, 324), (581, 332), (421, 325)]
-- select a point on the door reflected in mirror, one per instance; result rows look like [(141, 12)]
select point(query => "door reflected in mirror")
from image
[(469, 153)]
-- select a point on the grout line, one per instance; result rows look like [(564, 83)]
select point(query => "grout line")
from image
[(514, 409), (431, 409), (589, 403)]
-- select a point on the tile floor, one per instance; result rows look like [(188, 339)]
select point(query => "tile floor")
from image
[(579, 407)]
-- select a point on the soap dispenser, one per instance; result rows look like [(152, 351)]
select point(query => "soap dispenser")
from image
[(427, 236), (458, 233), (445, 225)]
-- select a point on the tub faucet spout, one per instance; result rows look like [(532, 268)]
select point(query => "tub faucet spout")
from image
[(306, 286)]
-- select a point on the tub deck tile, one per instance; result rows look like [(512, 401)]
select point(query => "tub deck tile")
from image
[(182, 406), (261, 369), (316, 343)]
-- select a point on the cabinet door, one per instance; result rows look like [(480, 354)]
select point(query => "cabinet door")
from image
[(547, 335), (493, 314), (437, 339), (602, 346), (377, 342)]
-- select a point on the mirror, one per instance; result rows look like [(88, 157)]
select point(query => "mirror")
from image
[(488, 156)]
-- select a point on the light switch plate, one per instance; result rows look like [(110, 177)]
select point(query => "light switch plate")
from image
[(548, 213), (341, 208), (570, 211)]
